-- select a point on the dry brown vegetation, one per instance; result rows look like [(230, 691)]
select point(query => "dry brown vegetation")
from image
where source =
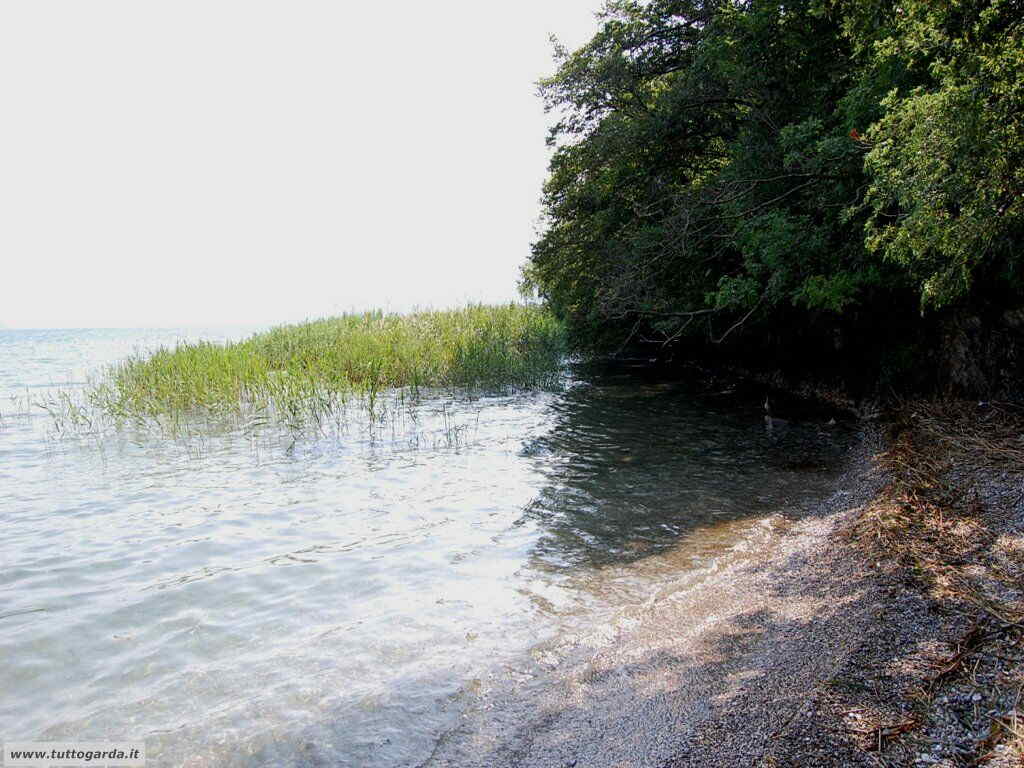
[(950, 523)]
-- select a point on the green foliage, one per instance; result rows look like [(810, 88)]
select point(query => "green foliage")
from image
[(307, 370), (749, 163), (946, 155)]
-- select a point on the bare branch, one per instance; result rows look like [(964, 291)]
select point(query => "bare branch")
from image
[(739, 322)]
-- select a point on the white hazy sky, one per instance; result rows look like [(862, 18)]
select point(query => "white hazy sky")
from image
[(194, 162)]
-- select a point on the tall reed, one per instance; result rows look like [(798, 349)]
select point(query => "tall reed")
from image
[(310, 371)]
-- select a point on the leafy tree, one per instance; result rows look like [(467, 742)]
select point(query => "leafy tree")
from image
[(728, 168), (945, 159)]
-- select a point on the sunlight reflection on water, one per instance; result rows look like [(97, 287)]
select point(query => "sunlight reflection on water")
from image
[(278, 602)]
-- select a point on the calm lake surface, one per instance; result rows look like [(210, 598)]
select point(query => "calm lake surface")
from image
[(261, 599)]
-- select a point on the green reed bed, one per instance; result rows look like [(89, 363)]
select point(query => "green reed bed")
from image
[(312, 371)]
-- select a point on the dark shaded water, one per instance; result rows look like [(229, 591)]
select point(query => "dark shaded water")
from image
[(260, 601)]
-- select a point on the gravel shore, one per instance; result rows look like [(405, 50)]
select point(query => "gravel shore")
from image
[(662, 689), (806, 653), (937, 679)]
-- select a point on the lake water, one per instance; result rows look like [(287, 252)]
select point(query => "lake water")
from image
[(246, 599)]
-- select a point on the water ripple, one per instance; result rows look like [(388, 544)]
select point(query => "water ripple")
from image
[(273, 603)]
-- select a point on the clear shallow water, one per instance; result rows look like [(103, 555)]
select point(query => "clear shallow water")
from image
[(265, 601)]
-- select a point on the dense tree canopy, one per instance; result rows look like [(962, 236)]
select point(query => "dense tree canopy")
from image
[(726, 165)]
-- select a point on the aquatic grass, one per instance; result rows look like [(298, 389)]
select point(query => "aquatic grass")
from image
[(307, 374)]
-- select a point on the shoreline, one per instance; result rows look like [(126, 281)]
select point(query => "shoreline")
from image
[(938, 678), (815, 653), (660, 689)]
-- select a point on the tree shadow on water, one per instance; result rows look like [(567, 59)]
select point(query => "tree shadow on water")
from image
[(705, 675), (631, 468)]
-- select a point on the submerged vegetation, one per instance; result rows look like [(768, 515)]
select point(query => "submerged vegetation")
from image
[(308, 372)]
